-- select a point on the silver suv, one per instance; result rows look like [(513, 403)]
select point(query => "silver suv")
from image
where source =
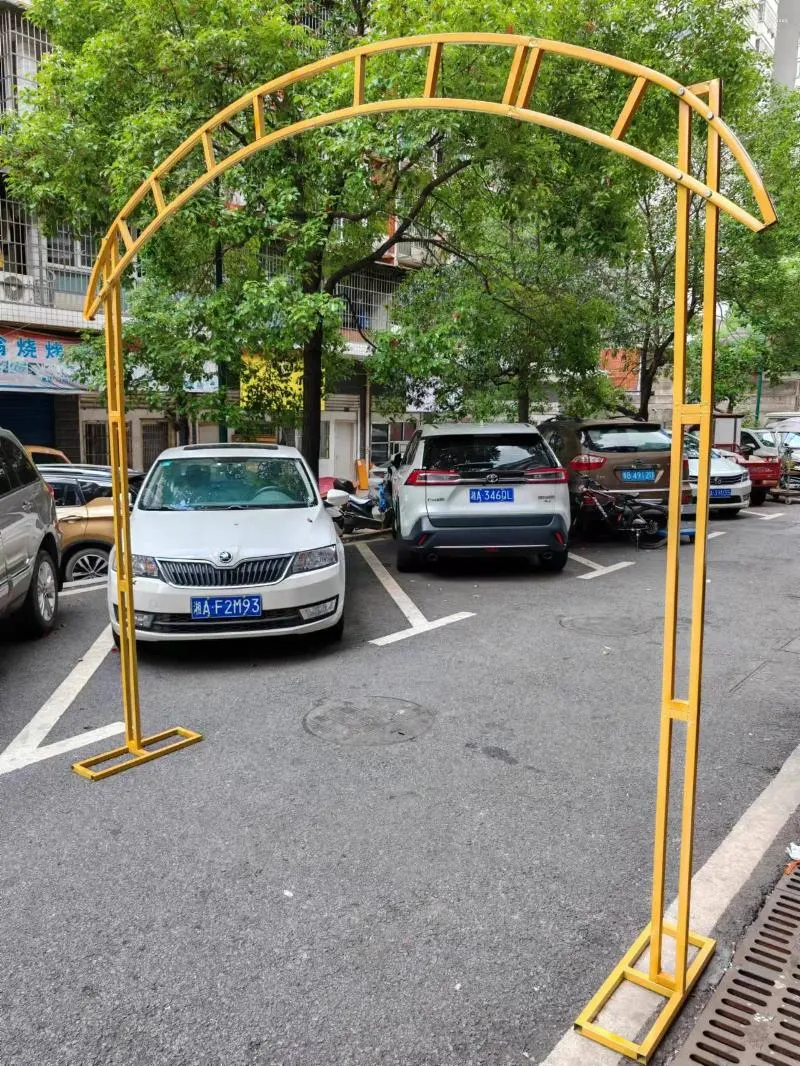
[(29, 541)]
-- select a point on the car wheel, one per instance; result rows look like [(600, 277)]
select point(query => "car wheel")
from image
[(87, 563), (38, 614), (116, 638), (554, 562), (408, 561)]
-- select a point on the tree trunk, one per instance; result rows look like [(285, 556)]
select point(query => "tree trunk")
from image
[(312, 398), (523, 395)]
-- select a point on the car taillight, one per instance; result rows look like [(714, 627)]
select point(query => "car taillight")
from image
[(433, 477), (548, 475), (685, 467), (586, 462), (51, 490)]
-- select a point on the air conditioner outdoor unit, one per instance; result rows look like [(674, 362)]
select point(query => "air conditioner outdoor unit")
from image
[(12, 287)]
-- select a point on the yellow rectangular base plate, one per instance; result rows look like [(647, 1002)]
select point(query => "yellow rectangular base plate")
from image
[(626, 970), (136, 756)]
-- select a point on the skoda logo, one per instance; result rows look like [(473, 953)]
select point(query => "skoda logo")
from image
[(491, 478), (224, 557)]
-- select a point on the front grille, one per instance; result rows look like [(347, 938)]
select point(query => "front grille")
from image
[(285, 618), (191, 574), (727, 479)]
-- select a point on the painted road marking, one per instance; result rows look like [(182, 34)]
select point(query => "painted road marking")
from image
[(425, 627), (602, 570), (713, 889), (74, 588), (27, 746), (716, 533), (585, 562), (763, 517), (417, 621)]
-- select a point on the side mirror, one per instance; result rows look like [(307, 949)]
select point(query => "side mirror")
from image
[(397, 460), (336, 498)]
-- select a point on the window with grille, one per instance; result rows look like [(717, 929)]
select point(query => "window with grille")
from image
[(22, 46), (14, 228), (61, 247), (386, 438), (155, 438), (95, 444), (367, 298)]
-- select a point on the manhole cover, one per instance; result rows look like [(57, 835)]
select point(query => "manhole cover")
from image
[(378, 720)]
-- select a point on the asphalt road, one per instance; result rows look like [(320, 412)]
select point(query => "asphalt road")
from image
[(294, 892)]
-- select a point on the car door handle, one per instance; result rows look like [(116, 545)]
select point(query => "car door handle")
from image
[(27, 506), (71, 518)]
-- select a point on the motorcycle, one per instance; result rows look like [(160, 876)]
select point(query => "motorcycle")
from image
[(352, 512)]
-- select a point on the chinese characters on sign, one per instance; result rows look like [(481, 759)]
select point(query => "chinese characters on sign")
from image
[(33, 361)]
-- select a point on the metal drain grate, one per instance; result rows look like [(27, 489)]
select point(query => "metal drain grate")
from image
[(753, 1018)]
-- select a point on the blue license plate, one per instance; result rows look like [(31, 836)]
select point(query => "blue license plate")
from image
[(212, 608), (491, 495), (720, 492), (638, 475)]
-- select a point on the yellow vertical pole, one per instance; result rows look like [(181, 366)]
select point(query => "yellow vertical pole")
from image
[(673, 541), (117, 436), (701, 534)]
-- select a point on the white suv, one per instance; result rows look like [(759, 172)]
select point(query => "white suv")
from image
[(472, 489)]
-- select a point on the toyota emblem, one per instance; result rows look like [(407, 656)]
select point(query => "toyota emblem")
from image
[(492, 478), (224, 557)]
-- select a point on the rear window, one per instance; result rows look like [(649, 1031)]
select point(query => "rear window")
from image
[(484, 451), (627, 439)]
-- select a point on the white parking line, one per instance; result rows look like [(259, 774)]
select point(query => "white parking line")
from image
[(27, 747), (763, 517), (417, 620), (585, 562), (713, 889), (425, 627), (74, 588), (716, 533), (414, 615), (602, 570)]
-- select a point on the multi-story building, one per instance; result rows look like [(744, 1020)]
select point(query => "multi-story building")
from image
[(43, 280), (763, 23), (787, 43)]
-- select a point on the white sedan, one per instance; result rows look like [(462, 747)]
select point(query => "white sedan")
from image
[(232, 541), (730, 485)]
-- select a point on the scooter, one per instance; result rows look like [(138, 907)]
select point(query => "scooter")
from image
[(352, 512)]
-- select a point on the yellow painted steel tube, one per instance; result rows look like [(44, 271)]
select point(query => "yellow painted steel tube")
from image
[(673, 543)]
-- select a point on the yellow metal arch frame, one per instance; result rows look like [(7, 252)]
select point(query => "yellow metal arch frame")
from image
[(661, 942)]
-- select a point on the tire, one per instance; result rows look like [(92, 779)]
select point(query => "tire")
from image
[(651, 536), (116, 638), (87, 563), (758, 497), (408, 561), (555, 563), (38, 614)]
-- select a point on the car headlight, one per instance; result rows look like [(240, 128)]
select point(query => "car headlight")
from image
[(144, 566), (315, 559)]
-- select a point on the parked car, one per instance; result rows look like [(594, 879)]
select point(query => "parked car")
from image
[(29, 542), (232, 540), (41, 454), (621, 454), (730, 485), (469, 489), (99, 474)]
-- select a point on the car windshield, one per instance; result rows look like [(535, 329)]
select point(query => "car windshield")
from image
[(212, 483), (484, 451), (627, 439)]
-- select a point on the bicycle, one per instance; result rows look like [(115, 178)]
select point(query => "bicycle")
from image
[(622, 512)]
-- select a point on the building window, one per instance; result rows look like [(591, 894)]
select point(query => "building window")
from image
[(95, 443), (386, 438), (367, 300), (21, 48), (155, 439), (324, 440), (14, 228)]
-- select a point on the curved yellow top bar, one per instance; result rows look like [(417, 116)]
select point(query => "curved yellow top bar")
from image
[(527, 56)]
